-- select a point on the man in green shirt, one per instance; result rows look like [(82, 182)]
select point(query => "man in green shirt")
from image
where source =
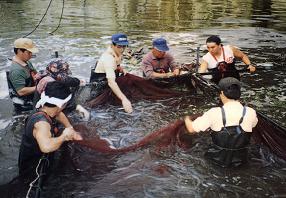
[(22, 74)]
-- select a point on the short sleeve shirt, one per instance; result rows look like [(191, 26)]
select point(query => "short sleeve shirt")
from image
[(150, 63), (19, 74), (107, 63), (233, 111)]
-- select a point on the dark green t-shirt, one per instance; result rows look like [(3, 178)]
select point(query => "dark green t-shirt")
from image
[(19, 75)]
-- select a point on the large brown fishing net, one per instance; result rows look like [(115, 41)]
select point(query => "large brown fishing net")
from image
[(134, 88), (271, 134), (172, 135), (266, 132)]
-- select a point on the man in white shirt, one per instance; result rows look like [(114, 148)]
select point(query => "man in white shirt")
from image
[(231, 125), (109, 64)]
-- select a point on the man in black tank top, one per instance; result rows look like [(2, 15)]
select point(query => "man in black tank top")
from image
[(40, 139), (230, 126)]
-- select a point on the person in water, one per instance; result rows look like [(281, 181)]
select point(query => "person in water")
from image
[(230, 125), (158, 63), (108, 68), (41, 138), (58, 70), (220, 60), (22, 75)]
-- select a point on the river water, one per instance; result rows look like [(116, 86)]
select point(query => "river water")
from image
[(258, 27)]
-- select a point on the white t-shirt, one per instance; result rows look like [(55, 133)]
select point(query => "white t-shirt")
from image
[(107, 63), (233, 112), (212, 63)]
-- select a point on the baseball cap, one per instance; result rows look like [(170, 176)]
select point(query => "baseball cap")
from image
[(160, 44), (230, 87), (119, 39), (27, 44)]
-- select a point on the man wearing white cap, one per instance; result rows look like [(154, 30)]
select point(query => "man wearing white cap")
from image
[(22, 73), (158, 63)]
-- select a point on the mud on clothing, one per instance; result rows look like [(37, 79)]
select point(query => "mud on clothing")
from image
[(30, 153), (152, 64), (231, 128)]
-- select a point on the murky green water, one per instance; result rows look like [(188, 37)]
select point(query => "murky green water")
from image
[(258, 27)]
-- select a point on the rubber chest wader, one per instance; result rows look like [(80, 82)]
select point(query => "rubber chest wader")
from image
[(224, 69), (230, 145), (99, 81)]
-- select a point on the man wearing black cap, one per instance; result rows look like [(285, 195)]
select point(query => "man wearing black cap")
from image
[(230, 125), (158, 63), (221, 59), (109, 64)]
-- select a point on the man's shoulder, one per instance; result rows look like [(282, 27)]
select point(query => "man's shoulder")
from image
[(16, 69), (148, 55), (169, 55), (250, 110), (206, 56)]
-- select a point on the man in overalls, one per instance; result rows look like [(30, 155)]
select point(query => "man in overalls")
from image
[(230, 125)]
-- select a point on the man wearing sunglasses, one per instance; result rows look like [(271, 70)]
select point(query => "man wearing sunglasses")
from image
[(108, 67), (22, 74), (158, 63)]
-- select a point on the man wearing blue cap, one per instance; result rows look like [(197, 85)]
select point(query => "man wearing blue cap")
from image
[(108, 67), (158, 63)]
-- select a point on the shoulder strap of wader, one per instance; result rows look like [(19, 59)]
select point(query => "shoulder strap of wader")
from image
[(243, 114), (223, 116)]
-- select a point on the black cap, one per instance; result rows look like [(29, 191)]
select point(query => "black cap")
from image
[(230, 87)]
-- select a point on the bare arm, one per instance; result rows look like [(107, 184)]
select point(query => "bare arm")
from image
[(26, 91), (161, 75), (116, 90), (240, 55), (44, 138), (189, 126), (62, 118), (203, 67)]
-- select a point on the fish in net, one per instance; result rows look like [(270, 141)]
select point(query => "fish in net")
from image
[(168, 137)]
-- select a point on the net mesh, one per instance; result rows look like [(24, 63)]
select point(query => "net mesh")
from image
[(267, 132), (170, 136), (134, 88)]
